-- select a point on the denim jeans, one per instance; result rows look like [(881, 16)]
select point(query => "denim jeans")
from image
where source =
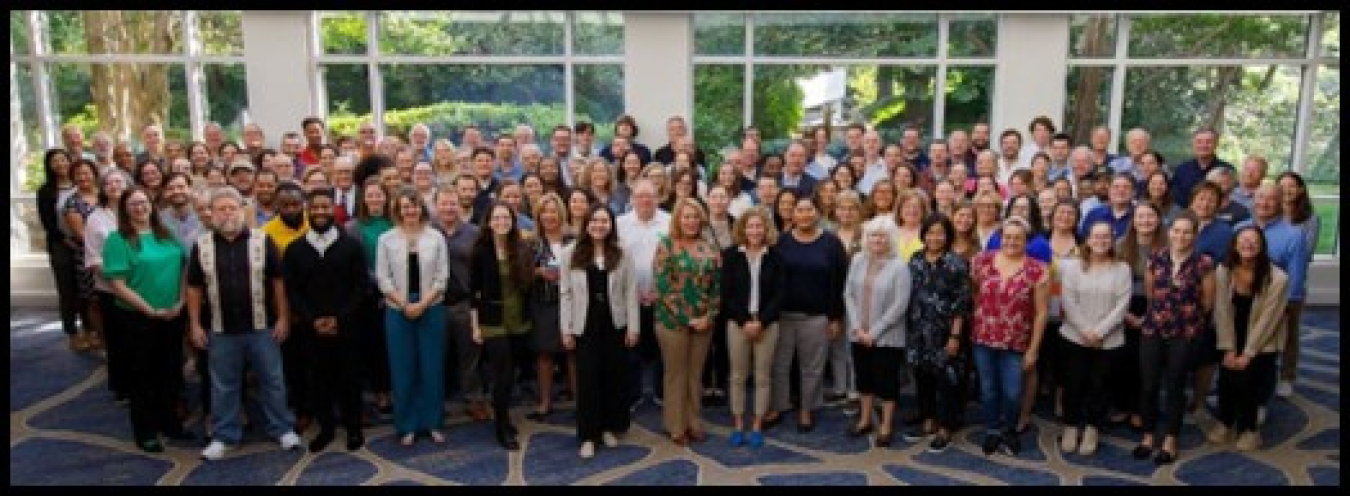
[(228, 354), (1000, 387)]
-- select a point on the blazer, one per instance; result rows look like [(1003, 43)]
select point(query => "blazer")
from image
[(736, 286), (574, 297), (433, 262), (891, 288), (1265, 324)]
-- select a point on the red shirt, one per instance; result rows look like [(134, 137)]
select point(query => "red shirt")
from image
[(1005, 309), (309, 156)]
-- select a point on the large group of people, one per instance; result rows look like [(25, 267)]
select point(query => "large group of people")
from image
[(365, 279)]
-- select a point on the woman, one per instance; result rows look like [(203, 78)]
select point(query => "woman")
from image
[(510, 193), (630, 168), (1040, 171), (843, 175), (315, 178), (57, 186), (144, 266), (848, 209), (412, 267), (602, 185), (550, 177), (534, 189), (214, 177), (1019, 183), (372, 220), (100, 224), (151, 177), (719, 232), (579, 203), (1063, 188), (1013, 293), (815, 269), (200, 156), (876, 296), (849, 229), (945, 198), (227, 154), (911, 208), (443, 161), (599, 317), (683, 185), (1179, 286), (1213, 236), (545, 338), (904, 177), (938, 316), (1298, 211), (686, 268), (1142, 238), (730, 181), (657, 174), (986, 217), (1149, 163), (75, 214), (1096, 289), (752, 296), (783, 206), (826, 193), (501, 273), (966, 240), (881, 200), (1157, 191), (1249, 308)]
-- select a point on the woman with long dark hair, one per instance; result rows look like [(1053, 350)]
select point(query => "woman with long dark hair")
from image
[(56, 187), (599, 317), (939, 314), (501, 272), (75, 215), (1144, 236), (1298, 210)]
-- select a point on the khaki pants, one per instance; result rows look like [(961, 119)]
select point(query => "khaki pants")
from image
[(1289, 362), (683, 352), (741, 352)]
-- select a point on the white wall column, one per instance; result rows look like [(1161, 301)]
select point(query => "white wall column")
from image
[(1033, 52), (658, 72), (277, 59)]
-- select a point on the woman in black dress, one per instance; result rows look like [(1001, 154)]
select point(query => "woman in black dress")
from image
[(550, 216), (938, 313)]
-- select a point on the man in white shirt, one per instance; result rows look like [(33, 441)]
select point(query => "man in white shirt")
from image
[(876, 167), (1010, 157), (640, 233)]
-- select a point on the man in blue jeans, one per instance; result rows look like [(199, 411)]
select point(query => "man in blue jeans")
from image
[(233, 274)]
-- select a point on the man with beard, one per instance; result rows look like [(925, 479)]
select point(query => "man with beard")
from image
[(265, 184), (180, 216), (979, 138), (233, 275), (453, 224), (287, 226), (325, 275)]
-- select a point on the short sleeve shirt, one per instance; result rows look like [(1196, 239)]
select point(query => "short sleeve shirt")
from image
[(1005, 307)]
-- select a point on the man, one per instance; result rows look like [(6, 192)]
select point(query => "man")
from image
[(1100, 141), (911, 140), (766, 192), (640, 232), (676, 129), (619, 147), (464, 353), (530, 156), (265, 184), (1137, 142), (473, 138), (745, 183), (419, 139), (72, 138), (241, 177), (1060, 147), (1040, 130), (1095, 188), (524, 135), (1119, 209), (586, 147), (405, 160), (939, 165), (389, 145), (484, 184), (325, 278), (367, 139), (979, 137), (179, 215), (152, 140), (1288, 250), (1010, 155), (959, 143), (214, 136), (313, 128), (291, 146), (346, 195), (853, 141), (1080, 166), (1253, 171), (751, 160), (560, 148), (288, 225), (508, 165), (876, 167), (102, 152), (794, 170), (1192, 172), (234, 292), (892, 155), (254, 140), (1229, 210)]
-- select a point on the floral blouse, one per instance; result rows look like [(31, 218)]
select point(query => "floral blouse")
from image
[(1174, 305), (941, 291), (688, 282), (1005, 309)]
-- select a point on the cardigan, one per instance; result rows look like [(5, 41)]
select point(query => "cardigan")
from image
[(485, 283), (1095, 301), (891, 288), (1265, 327), (433, 264), (574, 295), (736, 285)]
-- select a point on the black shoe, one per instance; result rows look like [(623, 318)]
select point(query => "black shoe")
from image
[(506, 437), (805, 427), (884, 440), (991, 443), (769, 423), (151, 445), (1012, 444), (832, 398), (915, 420), (939, 444), (539, 415), (1142, 452), (355, 441), (1164, 457), (321, 441), (856, 431)]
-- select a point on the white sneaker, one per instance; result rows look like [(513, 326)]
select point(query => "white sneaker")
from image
[(1068, 441), (215, 451), (1088, 446), (1285, 389), (289, 441), (610, 440), (587, 450)]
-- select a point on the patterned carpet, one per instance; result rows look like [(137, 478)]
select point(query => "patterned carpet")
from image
[(65, 430)]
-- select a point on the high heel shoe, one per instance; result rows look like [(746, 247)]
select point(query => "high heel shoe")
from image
[(860, 431)]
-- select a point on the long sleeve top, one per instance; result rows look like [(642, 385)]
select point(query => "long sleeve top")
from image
[(1289, 251), (942, 291), (500, 302), (1094, 301), (737, 282), (327, 285), (574, 295), (97, 227), (887, 297), (391, 264), (687, 282), (1265, 327), (814, 275)]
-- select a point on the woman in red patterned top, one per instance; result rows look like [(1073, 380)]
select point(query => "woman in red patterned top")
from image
[(1011, 304), (1179, 285)]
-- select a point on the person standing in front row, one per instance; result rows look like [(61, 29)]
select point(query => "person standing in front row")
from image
[(752, 296), (598, 316), (876, 298), (939, 313), (235, 289), (640, 230), (411, 266), (325, 275), (501, 271)]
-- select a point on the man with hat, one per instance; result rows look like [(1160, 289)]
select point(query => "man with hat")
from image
[(1095, 187)]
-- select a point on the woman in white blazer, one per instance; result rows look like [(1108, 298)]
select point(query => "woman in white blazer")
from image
[(598, 302), (412, 267), (876, 297)]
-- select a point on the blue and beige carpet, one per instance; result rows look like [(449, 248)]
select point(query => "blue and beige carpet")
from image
[(65, 429)]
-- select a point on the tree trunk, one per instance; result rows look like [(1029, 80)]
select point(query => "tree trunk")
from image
[(1224, 80)]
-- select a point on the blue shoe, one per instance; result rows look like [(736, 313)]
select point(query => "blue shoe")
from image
[(756, 439), (737, 439)]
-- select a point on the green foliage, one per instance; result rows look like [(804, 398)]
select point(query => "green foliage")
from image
[(450, 118)]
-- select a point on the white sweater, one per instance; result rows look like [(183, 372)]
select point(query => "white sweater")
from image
[(1094, 301)]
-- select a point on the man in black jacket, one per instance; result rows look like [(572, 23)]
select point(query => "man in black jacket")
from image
[(325, 276)]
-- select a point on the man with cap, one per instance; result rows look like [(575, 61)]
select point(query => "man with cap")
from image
[(1094, 188)]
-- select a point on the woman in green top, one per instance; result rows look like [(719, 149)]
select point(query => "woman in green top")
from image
[(371, 221), (143, 263), (500, 272)]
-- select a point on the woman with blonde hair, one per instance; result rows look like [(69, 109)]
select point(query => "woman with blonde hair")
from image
[(910, 210), (443, 161), (752, 295), (600, 181), (987, 210), (550, 215), (876, 297), (881, 200)]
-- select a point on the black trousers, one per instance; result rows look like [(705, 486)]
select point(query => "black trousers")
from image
[(155, 360), (501, 353), (62, 260), (717, 368), (1085, 393), (1241, 394), (1162, 366), (296, 367), (939, 398), (876, 370), (374, 349), (336, 378), (1123, 379), (601, 373), (645, 357), (116, 344)]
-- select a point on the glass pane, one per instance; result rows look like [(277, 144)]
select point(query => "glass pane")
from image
[(226, 87), (1331, 35), (65, 32), (31, 174), (344, 33), (155, 32), (348, 89), (719, 33), (719, 103), (846, 34), (221, 32), (1322, 164), (128, 98), (969, 97), (598, 33), (598, 97), (18, 32), (1218, 35), (1089, 101), (1092, 35), (790, 99), (1253, 107), (472, 33), (494, 97), (972, 35)]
